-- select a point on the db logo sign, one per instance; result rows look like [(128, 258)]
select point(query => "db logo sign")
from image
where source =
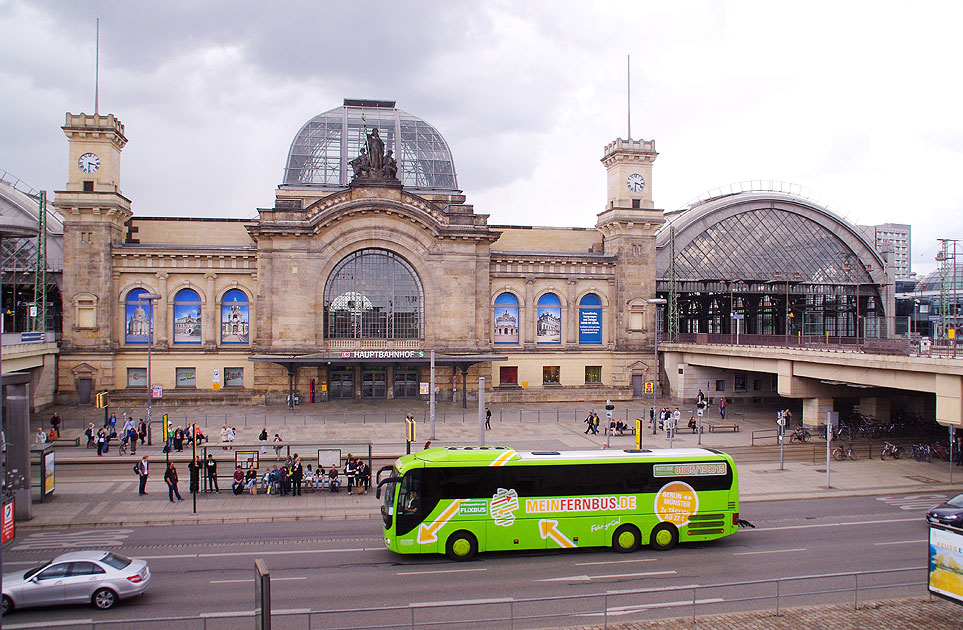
[(346, 355)]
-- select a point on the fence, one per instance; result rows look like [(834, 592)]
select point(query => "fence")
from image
[(595, 608)]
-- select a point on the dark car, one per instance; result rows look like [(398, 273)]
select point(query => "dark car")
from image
[(949, 513)]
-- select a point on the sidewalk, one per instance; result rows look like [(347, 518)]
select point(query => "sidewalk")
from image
[(92, 491)]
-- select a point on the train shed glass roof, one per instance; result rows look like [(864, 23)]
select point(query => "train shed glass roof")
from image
[(322, 148)]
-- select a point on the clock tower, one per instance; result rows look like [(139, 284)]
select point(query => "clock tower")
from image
[(628, 165), (95, 213), (628, 226)]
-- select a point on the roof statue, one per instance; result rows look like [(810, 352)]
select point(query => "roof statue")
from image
[(373, 164)]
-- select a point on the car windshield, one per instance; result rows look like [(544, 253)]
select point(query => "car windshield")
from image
[(116, 560), (34, 571), (956, 501)]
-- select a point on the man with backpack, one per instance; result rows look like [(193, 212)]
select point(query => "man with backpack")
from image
[(141, 468)]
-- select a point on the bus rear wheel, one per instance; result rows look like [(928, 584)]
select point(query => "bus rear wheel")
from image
[(664, 537), (461, 546), (626, 539)]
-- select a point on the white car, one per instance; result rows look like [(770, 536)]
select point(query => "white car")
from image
[(96, 577)]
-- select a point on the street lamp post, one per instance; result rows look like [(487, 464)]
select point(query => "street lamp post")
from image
[(150, 298), (655, 365)]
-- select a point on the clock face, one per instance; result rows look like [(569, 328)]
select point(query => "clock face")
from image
[(89, 162), (635, 182)]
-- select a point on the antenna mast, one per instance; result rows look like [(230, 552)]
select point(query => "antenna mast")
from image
[(628, 89), (97, 73)]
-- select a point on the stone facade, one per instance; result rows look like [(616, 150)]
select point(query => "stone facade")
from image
[(282, 262)]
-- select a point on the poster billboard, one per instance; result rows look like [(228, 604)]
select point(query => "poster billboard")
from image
[(946, 563), (590, 326), (7, 527), (48, 472)]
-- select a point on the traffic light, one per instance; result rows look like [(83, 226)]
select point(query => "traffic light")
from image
[(102, 401)]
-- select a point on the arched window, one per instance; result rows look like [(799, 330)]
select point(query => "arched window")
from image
[(590, 320), (548, 323), (138, 317), (235, 318), (187, 317), (373, 294), (505, 318)]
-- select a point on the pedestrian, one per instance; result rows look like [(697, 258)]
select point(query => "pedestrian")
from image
[(231, 434), (349, 471), (170, 478), (101, 441), (283, 480), (700, 397), (55, 422), (224, 437), (142, 431), (179, 439), (131, 437), (41, 437), (595, 423), (652, 424), (588, 422), (787, 416), (194, 468), (237, 486), (722, 407), (333, 481), (91, 435), (263, 437), (488, 419), (211, 467), (297, 475), (112, 424), (277, 446), (143, 472), (428, 444), (676, 416)]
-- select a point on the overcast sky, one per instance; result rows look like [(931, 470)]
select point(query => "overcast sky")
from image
[(857, 102)]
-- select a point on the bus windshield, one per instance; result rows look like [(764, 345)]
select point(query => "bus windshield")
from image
[(388, 502)]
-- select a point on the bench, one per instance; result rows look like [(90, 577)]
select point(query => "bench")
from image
[(724, 427), (65, 442)]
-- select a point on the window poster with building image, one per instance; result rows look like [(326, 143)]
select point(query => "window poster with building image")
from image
[(505, 319), (548, 323), (137, 318), (235, 318), (187, 317)]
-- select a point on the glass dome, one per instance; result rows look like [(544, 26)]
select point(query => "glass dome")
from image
[(323, 147), (932, 280)]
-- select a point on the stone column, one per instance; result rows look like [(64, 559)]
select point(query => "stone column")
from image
[(815, 411), (16, 399), (161, 330), (208, 314), (526, 315), (572, 328), (876, 407)]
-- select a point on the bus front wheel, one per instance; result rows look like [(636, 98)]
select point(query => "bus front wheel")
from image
[(626, 538), (664, 537), (461, 546)]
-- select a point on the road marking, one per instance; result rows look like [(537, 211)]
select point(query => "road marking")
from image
[(251, 579), (587, 578), (438, 571), (914, 501), (585, 564), (228, 554), (815, 525), (753, 553), (628, 610), (902, 542), (63, 539), (47, 624)]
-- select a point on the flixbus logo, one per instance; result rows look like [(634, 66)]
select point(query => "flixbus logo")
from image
[(473, 508)]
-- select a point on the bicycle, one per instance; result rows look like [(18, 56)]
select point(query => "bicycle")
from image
[(123, 448), (921, 452), (840, 453), (891, 449), (800, 434)]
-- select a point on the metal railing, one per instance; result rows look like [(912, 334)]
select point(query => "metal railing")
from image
[(872, 345), (594, 608)]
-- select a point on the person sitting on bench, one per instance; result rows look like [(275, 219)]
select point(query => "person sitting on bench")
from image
[(333, 481), (692, 424)]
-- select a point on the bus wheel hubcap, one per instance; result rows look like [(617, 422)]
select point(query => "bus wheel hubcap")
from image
[(626, 540), (663, 537), (461, 547)]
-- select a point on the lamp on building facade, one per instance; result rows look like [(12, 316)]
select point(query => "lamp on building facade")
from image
[(150, 298), (655, 365)]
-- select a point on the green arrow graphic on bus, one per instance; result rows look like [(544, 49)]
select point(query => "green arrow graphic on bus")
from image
[(549, 529)]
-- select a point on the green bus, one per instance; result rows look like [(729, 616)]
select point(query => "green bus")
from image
[(465, 500)]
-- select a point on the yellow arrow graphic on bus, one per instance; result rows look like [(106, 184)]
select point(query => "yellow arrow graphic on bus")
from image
[(549, 529), (429, 533)]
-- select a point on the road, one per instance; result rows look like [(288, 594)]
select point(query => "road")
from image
[(203, 570)]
